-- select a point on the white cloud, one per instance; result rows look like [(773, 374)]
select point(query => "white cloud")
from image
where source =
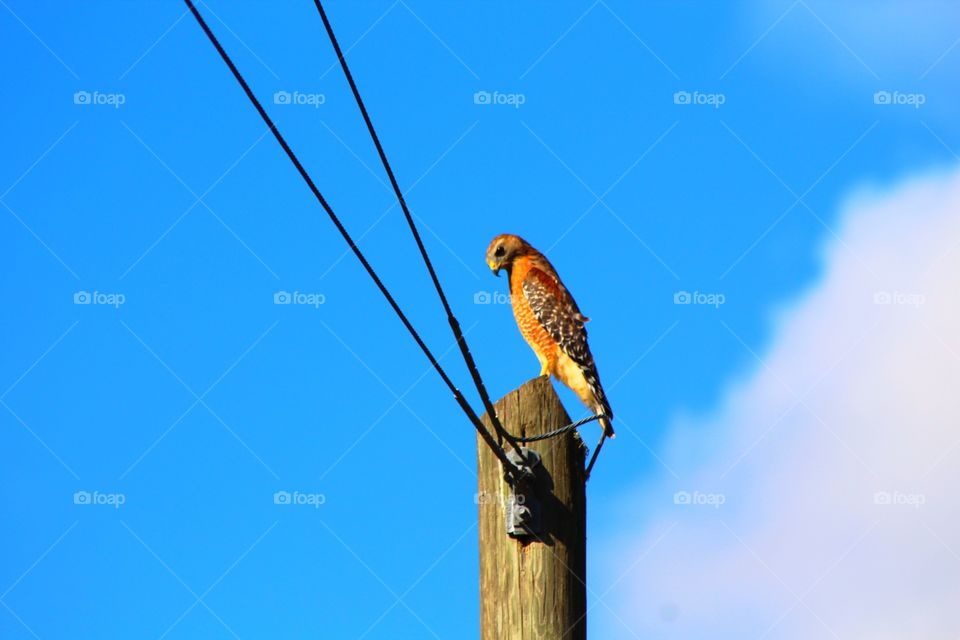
[(854, 401), (892, 37)]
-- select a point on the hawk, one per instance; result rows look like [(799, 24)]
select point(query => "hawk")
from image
[(550, 321)]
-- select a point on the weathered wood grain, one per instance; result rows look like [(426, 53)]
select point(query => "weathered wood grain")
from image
[(534, 589)]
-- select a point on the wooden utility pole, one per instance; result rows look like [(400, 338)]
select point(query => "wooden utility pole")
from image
[(533, 588)]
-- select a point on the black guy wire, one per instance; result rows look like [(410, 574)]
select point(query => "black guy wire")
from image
[(464, 405), (596, 452), (557, 432), (454, 324)]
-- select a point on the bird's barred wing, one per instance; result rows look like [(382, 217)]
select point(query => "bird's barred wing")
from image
[(557, 312)]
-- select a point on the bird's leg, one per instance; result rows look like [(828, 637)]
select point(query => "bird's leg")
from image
[(545, 366)]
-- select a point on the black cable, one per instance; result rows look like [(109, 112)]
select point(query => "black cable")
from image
[(464, 405), (556, 432), (454, 324), (593, 458), (567, 428)]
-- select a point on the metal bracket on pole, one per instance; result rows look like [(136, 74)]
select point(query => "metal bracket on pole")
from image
[(522, 511)]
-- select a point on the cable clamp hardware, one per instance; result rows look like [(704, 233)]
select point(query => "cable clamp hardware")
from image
[(522, 510)]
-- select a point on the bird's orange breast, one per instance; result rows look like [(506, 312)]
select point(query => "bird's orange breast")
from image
[(532, 331)]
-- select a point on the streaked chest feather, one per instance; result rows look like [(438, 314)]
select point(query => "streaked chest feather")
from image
[(530, 328)]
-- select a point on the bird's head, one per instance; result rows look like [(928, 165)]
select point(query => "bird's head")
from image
[(503, 250)]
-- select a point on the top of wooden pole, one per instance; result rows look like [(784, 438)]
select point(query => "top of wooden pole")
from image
[(534, 588)]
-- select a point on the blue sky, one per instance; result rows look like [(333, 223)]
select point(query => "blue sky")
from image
[(137, 172)]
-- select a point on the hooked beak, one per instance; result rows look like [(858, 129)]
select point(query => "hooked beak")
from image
[(493, 267)]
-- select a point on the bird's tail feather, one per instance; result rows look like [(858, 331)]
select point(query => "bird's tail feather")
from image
[(600, 403), (607, 428)]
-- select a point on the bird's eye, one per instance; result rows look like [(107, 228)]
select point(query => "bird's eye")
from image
[(499, 252)]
